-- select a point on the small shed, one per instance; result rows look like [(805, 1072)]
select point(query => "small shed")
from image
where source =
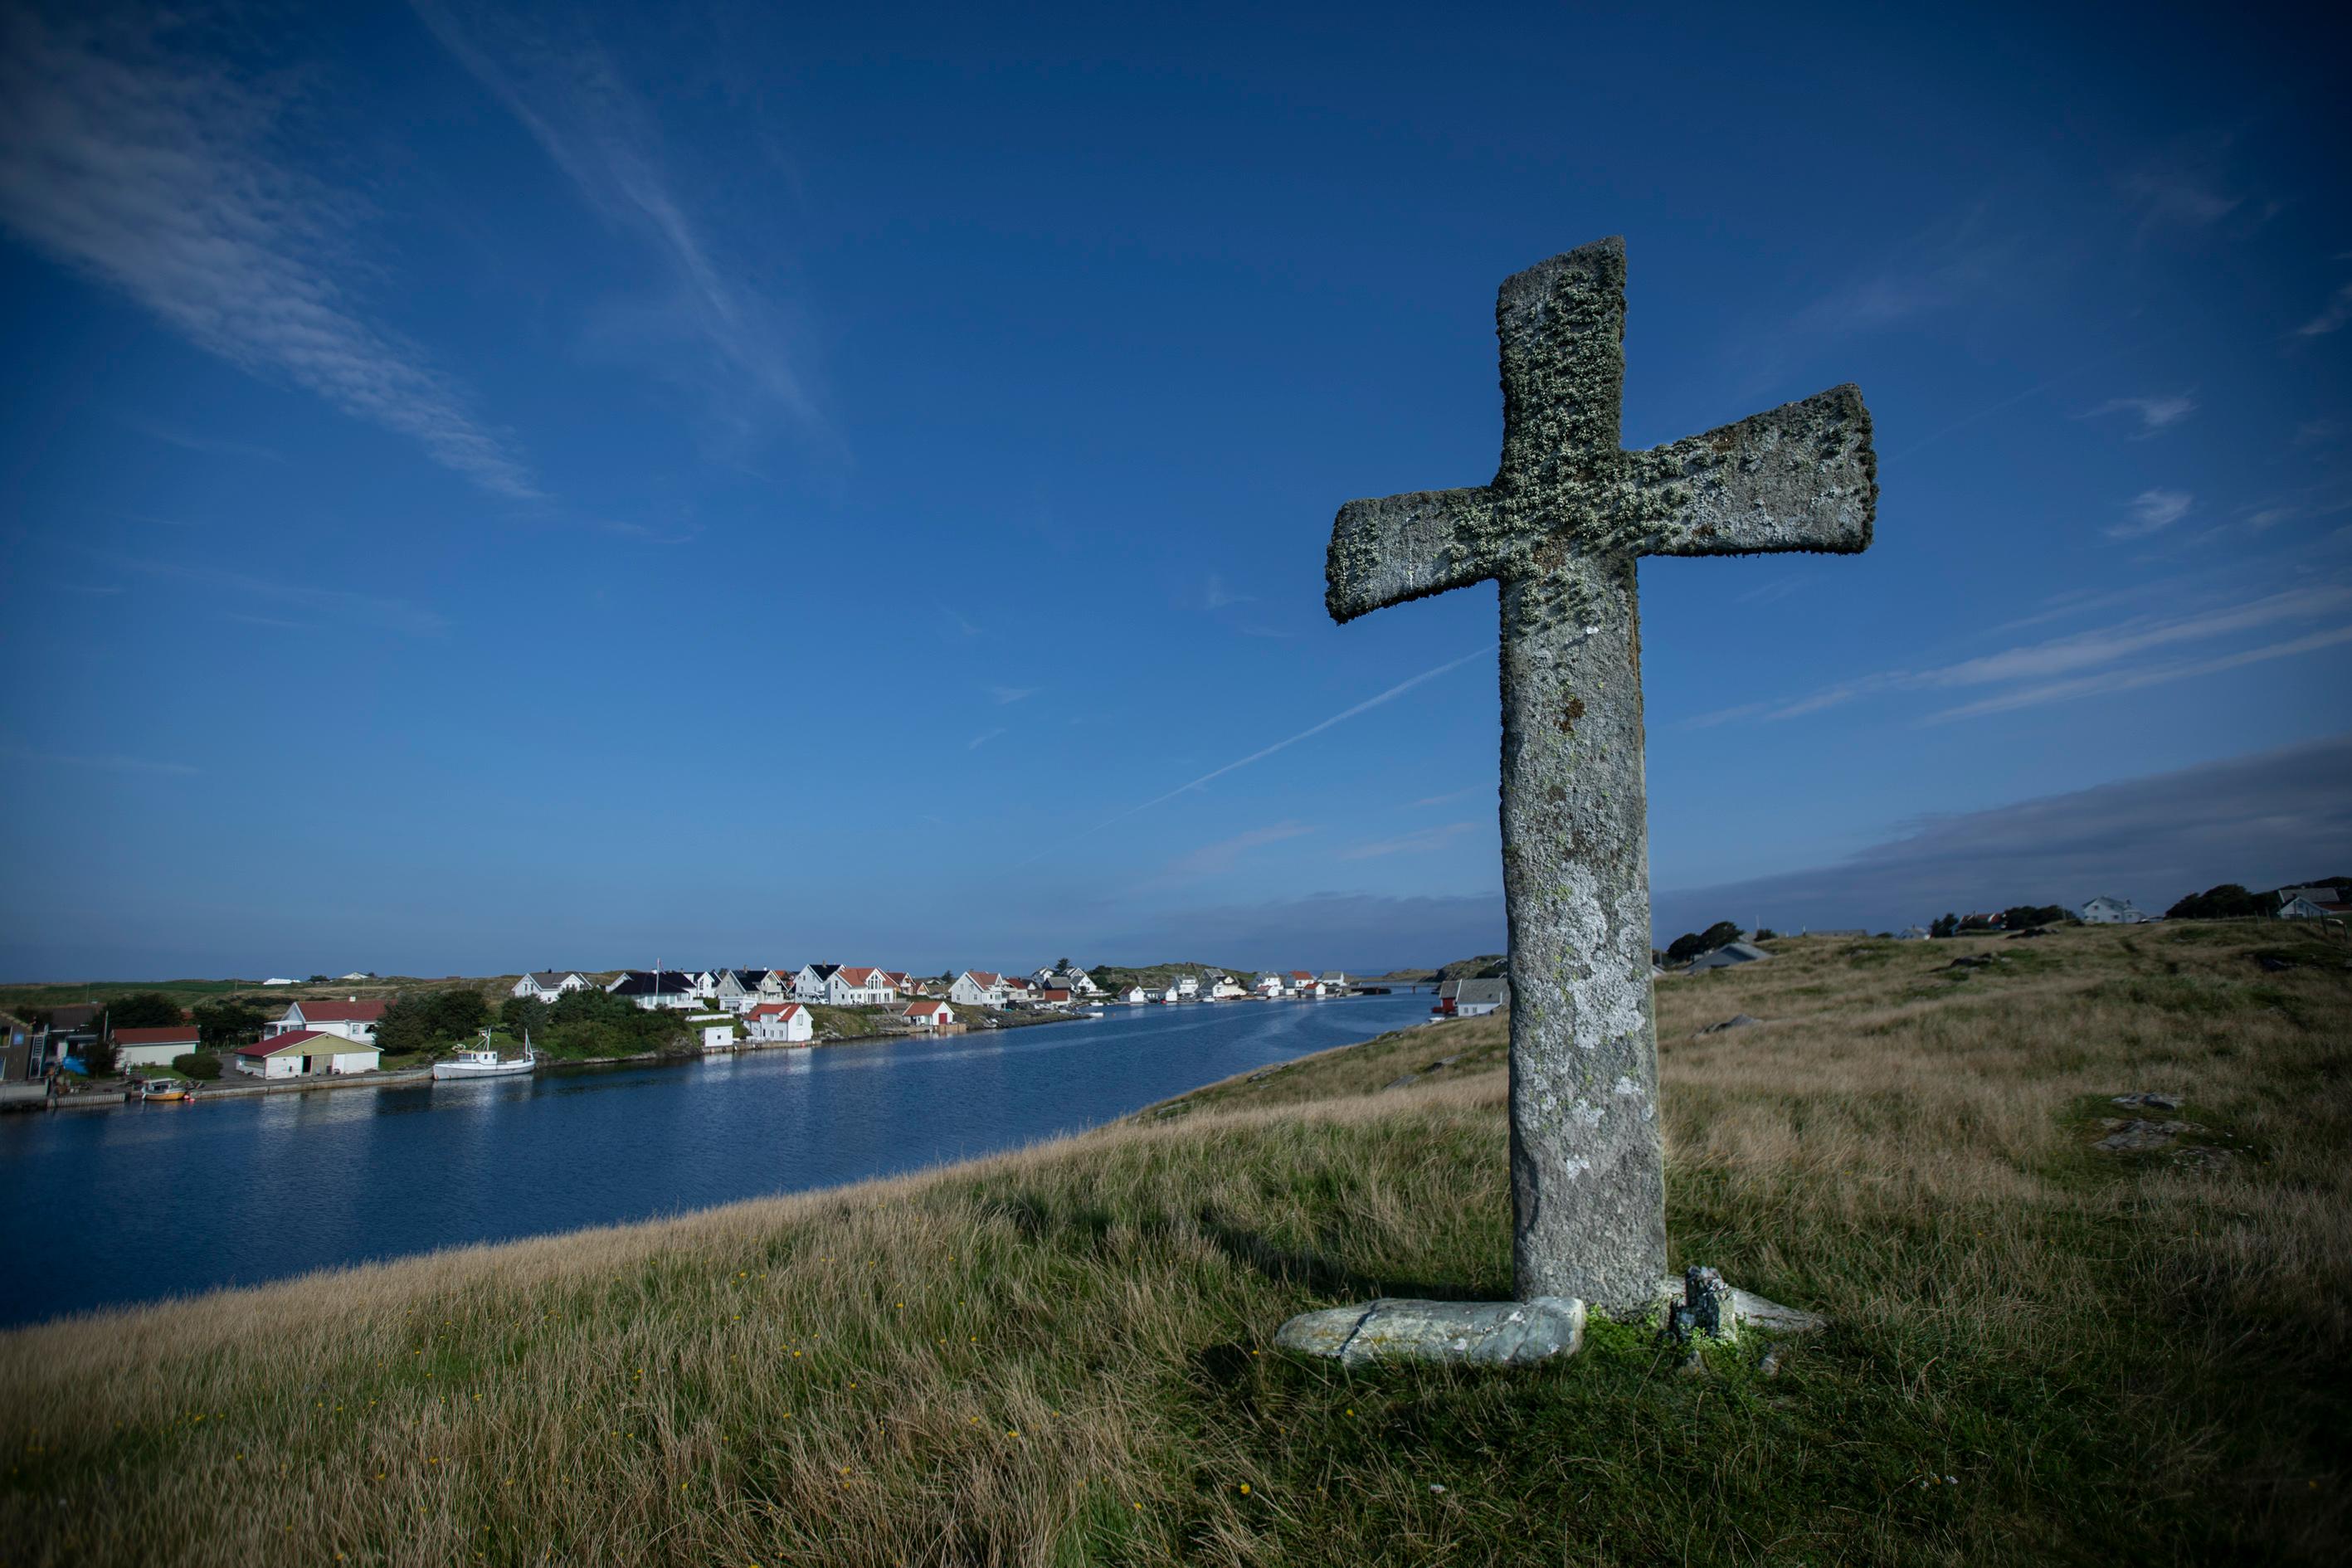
[(927, 1015)]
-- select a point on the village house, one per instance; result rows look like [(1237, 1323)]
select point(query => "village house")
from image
[(852, 985), (1912, 933), (2312, 904), (2106, 911), (1135, 996), (1188, 986), (299, 1053), (738, 989), (1726, 956), (904, 983), (1335, 980), (546, 984), (1221, 989), (780, 1024), (353, 1020), (927, 1015), (1268, 986), (1476, 998), (718, 1029), (652, 990), (1075, 980), (810, 984), (1297, 980), (155, 1047), (978, 988)]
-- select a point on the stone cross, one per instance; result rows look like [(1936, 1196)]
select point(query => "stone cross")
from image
[(1563, 527)]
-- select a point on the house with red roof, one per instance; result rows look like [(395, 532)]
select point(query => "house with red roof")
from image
[(780, 1024), (927, 1015), (978, 988), (855, 985), (353, 1020), (155, 1047), (306, 1053)]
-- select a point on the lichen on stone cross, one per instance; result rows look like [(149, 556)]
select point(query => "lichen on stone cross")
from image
[(1562, 528)]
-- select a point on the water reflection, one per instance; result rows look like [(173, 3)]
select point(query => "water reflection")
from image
[(150, 1201)]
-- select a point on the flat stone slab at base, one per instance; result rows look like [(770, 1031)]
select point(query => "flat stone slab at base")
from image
[(1475, 1333)]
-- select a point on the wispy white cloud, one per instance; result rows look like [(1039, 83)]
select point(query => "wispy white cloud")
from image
[(984, 738), (1210, 860), (210, 444), (1776, 588), (2154, 414), (1463, 794), (336, 604), (2061, 667), (570, 94), (1390, 695), (1216, 595), (2331, 318), (152, 172), (2171, 195), (1414, 843), (111, 762), (1007, 695), (2152, 511), (2112, 680)]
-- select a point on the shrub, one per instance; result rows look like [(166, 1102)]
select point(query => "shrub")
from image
[(197, 1065)]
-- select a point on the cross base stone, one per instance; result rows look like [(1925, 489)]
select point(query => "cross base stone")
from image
[(1498, 1334)]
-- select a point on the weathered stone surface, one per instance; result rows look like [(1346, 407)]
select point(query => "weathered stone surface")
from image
[(2145, 1099), (2130, 1135), (1562, 528), (1737, 1021), (1477, 1333), (1748, 1310)]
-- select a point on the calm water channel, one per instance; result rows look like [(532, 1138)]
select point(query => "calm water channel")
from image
[(147, 1201)]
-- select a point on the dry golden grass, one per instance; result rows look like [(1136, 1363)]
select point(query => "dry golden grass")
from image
[(1060, 1356)]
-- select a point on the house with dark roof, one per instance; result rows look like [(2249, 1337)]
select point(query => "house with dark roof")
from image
[(1476, 998), (548, 984), (739, 990), (2313, 904), (811, 982), (653, 989), (1727, 956)]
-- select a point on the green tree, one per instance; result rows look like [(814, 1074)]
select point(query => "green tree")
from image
[(1692, 944), (521, 1016), (144, 1010), (98, 1059), (197, 1065), (431, 1018), (229, 1021), (2018, 917), (2227, 902), (1945, 925)]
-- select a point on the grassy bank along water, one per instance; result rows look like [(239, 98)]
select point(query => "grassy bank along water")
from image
[(2042, 1350)]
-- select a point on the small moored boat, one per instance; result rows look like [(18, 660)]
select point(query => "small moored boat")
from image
[(483, 1061), (163, 1090)]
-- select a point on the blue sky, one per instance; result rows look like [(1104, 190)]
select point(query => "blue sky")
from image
[(489, 487)]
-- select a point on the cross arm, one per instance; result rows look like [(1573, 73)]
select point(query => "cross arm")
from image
[(1802, 476), (1405, 547)]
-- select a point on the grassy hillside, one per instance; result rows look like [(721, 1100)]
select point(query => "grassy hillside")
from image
[(2041, 1351)]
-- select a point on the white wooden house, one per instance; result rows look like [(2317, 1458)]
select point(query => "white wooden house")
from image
[(1268, 986), (548, 984), (738, 989), (811, 983), (853, 986), (927, 1015), (1135, 996), (2107, 911), (655, 989), (353, 1020), (1188, 986), (978, 988), (780, 1024), (1221, 989)]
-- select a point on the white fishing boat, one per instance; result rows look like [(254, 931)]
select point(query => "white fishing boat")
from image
[(483, 1061)]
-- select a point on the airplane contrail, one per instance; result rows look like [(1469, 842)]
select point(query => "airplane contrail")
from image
[(1399, 690)]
